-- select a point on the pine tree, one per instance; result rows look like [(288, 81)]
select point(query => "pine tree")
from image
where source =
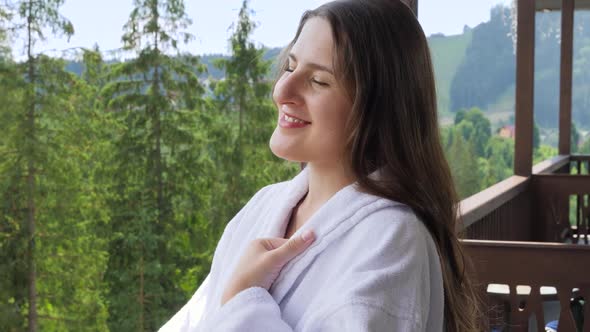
[(72, 251), (244, 97), (51, 208), (13, 269), (157, 156), (32, 18)]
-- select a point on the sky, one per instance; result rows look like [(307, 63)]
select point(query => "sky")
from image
[(100, 22)]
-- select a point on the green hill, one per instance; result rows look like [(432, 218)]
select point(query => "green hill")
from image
[(447, 53)]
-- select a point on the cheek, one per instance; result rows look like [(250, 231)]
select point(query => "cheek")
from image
[(335, 116), (331, 131)]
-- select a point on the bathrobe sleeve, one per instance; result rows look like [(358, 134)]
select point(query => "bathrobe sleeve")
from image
[(254, 309)]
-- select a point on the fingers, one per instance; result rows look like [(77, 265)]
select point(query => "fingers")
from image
[(273, 243), (294, 246)]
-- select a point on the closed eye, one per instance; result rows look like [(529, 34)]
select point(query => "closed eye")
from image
[(319, 82)]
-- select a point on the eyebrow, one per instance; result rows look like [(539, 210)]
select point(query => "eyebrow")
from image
[(313, 64)]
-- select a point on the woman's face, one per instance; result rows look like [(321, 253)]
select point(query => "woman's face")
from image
[(313, 107)]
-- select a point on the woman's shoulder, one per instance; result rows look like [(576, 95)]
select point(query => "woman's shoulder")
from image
[(379, 209), (396, 233), (391, 215), (391, 263), (394, 220)]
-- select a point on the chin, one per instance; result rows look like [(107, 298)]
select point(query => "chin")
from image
[(284, 150), (283, 153)]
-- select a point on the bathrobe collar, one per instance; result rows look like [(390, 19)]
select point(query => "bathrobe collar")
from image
[(340, 213)]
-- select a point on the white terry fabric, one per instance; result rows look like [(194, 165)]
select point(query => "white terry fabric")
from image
[(372, 267)]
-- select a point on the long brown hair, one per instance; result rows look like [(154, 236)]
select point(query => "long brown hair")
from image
[(382, 56)]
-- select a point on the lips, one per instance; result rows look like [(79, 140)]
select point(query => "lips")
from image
[(289, 121), (284, 110), (292, 118)]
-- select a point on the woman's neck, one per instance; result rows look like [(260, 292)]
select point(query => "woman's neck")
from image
[(324, 182)]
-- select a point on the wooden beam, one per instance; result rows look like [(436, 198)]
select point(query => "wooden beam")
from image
[(551, 165), (543, 5), (565, 80), (502, 261), (554, 185), (525, 77)]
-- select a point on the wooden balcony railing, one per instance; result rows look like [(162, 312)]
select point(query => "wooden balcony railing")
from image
[(580, 164), (560, 195), (563, 268), (552, 205), (490, 214), (532, 233)]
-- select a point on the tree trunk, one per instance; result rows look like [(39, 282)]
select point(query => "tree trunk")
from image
[(156, 120), (30, 145), (158, 167), (141, 297)]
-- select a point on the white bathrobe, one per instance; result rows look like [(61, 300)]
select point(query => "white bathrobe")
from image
[(372, 267)]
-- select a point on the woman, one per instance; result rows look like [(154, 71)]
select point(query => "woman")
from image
[(363, 239)]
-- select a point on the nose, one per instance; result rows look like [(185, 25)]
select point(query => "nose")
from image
[(288, 89)]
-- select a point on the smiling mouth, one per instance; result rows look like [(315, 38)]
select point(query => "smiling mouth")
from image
[(293, 119), (291, 122)]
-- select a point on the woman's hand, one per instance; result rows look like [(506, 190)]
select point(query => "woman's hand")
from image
[(262, 262)]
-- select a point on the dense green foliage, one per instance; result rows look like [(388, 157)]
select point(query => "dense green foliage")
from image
[(51, 262), (478, 157), (156, 163), (117, 183)]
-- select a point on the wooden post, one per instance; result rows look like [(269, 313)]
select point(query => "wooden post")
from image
[(565, 79), (525, 78)]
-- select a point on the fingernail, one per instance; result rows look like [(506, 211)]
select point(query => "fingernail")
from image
[(307, 236)]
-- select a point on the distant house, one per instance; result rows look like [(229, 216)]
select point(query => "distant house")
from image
[(506, 131)]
